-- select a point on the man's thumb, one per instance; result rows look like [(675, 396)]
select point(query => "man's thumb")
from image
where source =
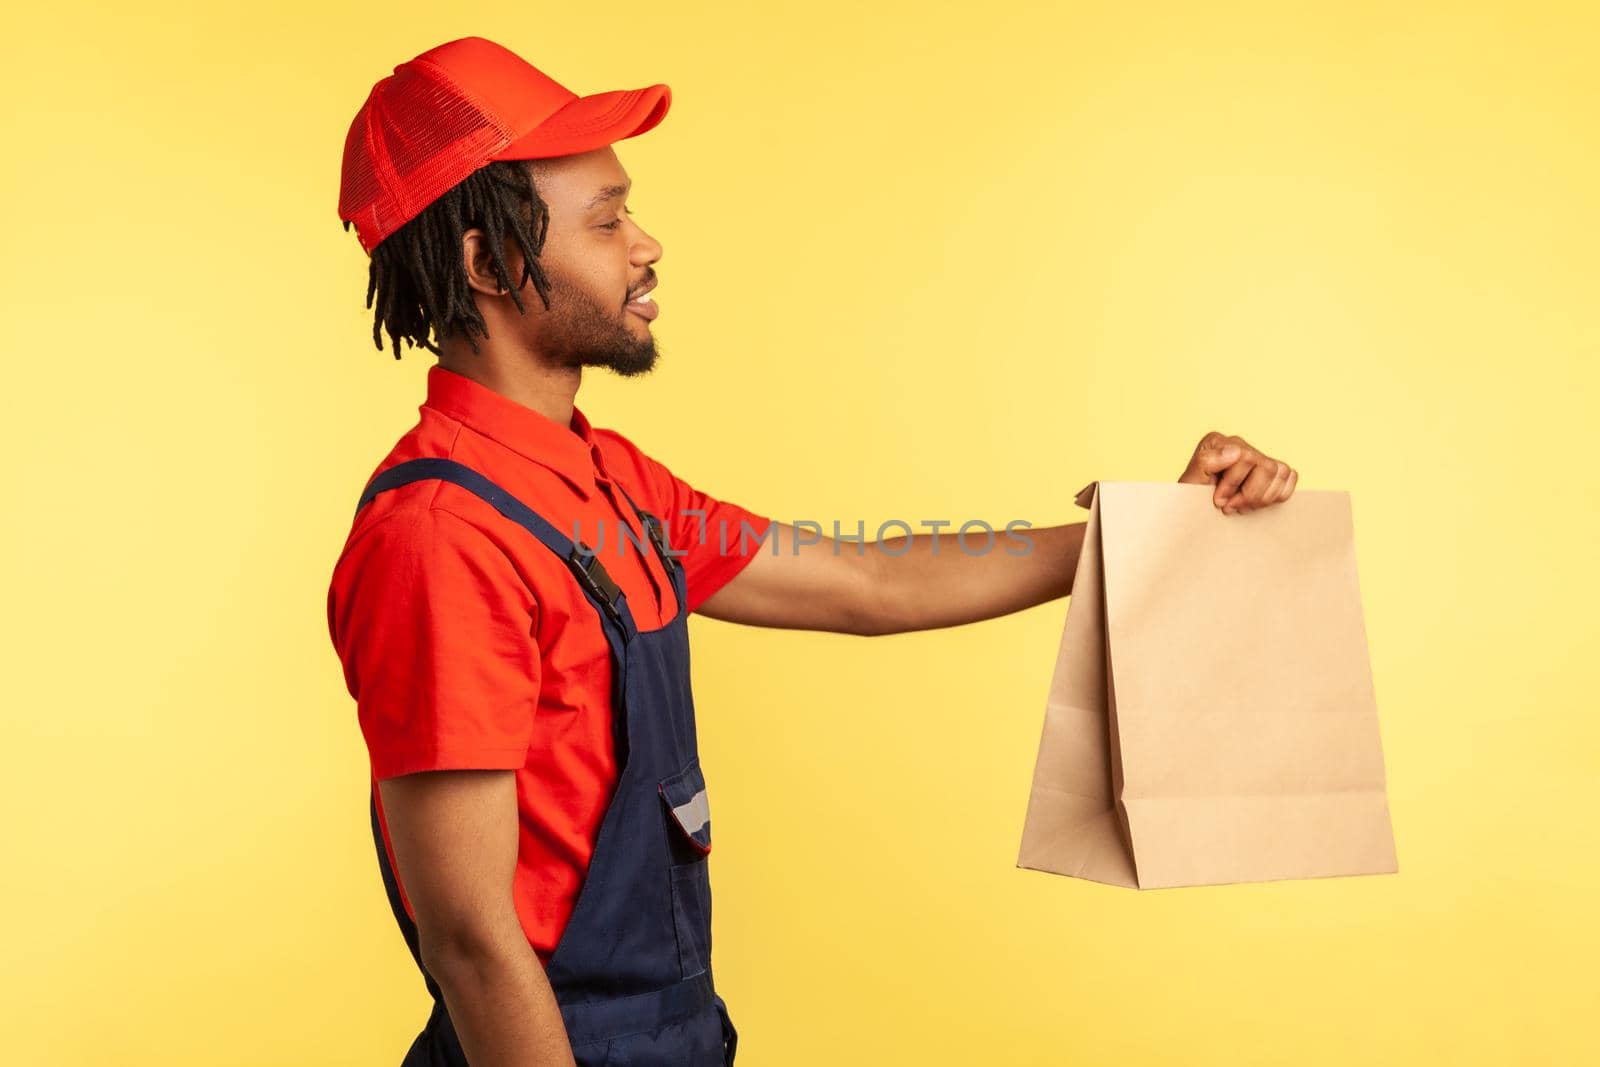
[(1219, 459)]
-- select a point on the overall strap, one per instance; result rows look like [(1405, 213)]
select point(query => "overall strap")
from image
[(581, 560), (672, 565), (653, 530)]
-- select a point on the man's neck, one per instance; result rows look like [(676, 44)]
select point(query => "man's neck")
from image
[(519, 376)]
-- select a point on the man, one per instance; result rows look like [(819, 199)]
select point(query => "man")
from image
[(510, 605)]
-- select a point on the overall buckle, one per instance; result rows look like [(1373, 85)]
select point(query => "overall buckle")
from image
[(586, 567)]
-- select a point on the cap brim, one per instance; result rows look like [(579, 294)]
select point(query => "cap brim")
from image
[(591, 122)]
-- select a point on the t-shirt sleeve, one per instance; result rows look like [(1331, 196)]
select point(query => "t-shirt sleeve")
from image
[(435, 629), (718, 539), (713, 538)]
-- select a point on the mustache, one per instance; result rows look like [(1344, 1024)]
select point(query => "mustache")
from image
[(648, 283)]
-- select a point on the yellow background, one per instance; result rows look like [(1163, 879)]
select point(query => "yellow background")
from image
[(920, 261)]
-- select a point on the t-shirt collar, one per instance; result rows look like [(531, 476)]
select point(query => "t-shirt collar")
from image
[(570, 451)]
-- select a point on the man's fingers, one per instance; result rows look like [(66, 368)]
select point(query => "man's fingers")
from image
[(1217, 457), (1245, 479), (1269, 482), (1285, 487), (1277, 489), (1258, 487), (1229, 483), (1253, 491)]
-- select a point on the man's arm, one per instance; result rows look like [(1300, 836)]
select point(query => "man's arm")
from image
[(454, 835), (898, 584), (906, 583)]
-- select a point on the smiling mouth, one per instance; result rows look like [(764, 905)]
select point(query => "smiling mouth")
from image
[(644, 306)]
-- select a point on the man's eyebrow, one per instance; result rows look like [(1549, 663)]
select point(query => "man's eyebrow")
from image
[(606, 194)]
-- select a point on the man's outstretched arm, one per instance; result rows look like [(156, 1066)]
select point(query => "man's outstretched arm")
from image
[(899, 584), (925, 581)]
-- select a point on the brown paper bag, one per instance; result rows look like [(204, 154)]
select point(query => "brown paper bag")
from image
[(1212, 717)]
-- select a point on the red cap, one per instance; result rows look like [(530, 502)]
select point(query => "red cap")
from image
[(444, 114)]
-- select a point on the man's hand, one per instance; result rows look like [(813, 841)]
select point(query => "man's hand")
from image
[(1246, 478)]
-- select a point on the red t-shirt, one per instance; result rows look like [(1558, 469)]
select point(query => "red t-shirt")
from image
[(467, 643)]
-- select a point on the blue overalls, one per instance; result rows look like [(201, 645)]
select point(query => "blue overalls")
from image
[(632, 969)]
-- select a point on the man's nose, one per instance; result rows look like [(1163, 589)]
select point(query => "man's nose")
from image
[(646, 250)]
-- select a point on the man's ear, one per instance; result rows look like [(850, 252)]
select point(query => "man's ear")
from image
[(480, 263)]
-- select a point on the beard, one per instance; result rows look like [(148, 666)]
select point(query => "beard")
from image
[(580, 332)]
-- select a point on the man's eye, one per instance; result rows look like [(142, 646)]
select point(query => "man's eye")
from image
[(613, 224)]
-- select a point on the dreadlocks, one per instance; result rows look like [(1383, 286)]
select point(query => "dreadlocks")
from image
[(419, 275)]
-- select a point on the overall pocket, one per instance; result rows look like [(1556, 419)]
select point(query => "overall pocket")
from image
[(687, 823), (685, 796), (691, 916)]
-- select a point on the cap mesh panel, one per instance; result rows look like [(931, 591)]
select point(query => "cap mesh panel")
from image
[(414, 140)]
